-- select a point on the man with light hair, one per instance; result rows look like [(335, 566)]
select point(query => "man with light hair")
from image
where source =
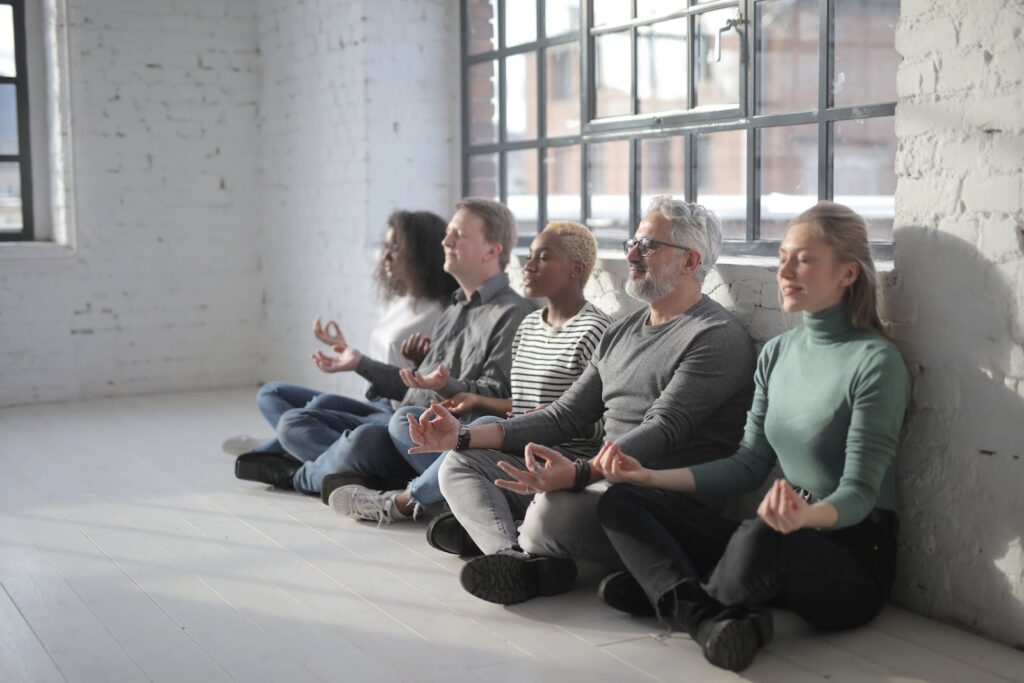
[(673, 382)]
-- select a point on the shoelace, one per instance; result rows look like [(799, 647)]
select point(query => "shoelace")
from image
[(370, 507)]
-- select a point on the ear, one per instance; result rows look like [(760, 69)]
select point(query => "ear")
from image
[(851, 271), (690, 262), (494, 249), (576, 271)]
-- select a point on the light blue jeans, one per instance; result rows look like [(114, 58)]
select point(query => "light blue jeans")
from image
[(424, 489), (274, 399)]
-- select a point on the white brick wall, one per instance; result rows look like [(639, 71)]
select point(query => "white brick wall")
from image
[(358, 116), (160, 294), (957, 304)]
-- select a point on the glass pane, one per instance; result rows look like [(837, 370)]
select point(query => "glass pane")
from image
[(662, 169), (521, 97), (865, 52), (522, 189), (561, 16), (722, 179), (7, 64), (611, 12), (8, 118), (483, 103), (10, 197), (717, 80), (482, 16), (520, 22), (613, 74), (564, 165), (789, 176), (787, 56), (656, 8), (563, 84), (608, 189), (661, 65), (864, 176), (483, 176)]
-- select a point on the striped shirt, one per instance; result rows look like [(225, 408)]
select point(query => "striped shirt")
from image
[(547, 360)]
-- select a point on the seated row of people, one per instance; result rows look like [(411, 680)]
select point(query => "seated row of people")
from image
[(623, 440)]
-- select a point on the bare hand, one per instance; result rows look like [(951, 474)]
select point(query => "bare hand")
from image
[(461, 403), (782, 509), (435, 431), (345, 361), (433, 381), (416, 347), (329, 334), (617, 467), (555, 474)]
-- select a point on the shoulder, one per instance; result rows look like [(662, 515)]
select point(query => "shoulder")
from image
[(591, 317), (876, 354), (714, 323)]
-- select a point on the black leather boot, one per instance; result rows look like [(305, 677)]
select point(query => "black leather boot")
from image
[(621, 591), (269, 468)]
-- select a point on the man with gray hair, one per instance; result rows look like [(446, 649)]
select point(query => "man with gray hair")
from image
[(673, 382)]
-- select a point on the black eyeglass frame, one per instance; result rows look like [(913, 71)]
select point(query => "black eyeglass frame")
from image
[(645, 245)]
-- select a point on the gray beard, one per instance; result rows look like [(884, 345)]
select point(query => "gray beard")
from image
[(651, 286)]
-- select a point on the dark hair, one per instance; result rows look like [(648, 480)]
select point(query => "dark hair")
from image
[(419, 258)]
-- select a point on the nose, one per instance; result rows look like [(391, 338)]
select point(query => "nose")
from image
[(786, 269), (447, 241), (633, 255)]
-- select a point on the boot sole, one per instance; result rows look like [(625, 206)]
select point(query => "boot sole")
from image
[(508, 580), (732, 644)]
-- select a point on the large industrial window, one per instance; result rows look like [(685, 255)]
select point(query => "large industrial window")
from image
[(583, 109), (16, 219)]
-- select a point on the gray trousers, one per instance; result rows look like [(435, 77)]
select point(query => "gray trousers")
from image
[(558, 524)]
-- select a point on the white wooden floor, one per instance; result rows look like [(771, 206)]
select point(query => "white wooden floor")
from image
[(129, 552)]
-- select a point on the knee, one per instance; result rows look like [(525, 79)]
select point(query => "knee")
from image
[(292, 420), (546, 524), (398, 424), (268, 390)]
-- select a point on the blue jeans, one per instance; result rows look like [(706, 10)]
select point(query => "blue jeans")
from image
[(424, 489), (274, 399)]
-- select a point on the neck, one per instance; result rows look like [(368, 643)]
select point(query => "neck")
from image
[(679, 301), (471, 282), (564, 305)]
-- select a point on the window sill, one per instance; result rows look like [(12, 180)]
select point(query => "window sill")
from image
[(35, 250)]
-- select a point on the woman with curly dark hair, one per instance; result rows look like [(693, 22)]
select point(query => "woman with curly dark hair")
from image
[(414, 288)]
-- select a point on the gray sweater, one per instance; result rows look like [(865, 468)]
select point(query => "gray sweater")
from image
[(671, 395)]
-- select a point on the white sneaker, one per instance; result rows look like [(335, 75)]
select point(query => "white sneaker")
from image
[(360, 502), (243, 443)]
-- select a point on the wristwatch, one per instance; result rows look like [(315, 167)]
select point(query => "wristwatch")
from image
[(463, 442)]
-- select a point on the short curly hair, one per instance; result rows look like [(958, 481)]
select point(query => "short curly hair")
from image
[(578, 241), (693, 226)]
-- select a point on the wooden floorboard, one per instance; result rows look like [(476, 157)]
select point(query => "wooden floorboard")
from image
[(129, 552)]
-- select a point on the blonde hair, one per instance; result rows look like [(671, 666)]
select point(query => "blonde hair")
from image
[(843, 229), (578, 242)]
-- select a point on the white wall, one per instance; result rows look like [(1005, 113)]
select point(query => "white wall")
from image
[(358, 112), (162, 293), (957, 305)]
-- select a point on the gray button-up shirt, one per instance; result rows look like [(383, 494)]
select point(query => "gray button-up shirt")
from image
[(473, 338)]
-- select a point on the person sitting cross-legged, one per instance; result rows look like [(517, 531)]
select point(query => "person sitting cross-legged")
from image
[(414, 289), (830, 399), (672, 382), (471, 340), (550, 350)]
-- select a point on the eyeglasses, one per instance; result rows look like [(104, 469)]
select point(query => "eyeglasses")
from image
[(645, 245)]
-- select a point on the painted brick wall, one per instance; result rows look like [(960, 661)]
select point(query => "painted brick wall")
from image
[(957, 307), (358, 117), (160, 294)]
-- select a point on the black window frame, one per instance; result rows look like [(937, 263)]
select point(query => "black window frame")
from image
[(24, 156), (641, 126)]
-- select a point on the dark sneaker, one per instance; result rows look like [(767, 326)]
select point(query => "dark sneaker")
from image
[(510, 576), (621, 591), (447, 535), (268, 468), (731, 642)]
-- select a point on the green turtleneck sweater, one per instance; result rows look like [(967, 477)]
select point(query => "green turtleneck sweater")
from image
[(828, 403)]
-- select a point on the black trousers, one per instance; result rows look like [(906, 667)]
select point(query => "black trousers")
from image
[(833, 579)]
